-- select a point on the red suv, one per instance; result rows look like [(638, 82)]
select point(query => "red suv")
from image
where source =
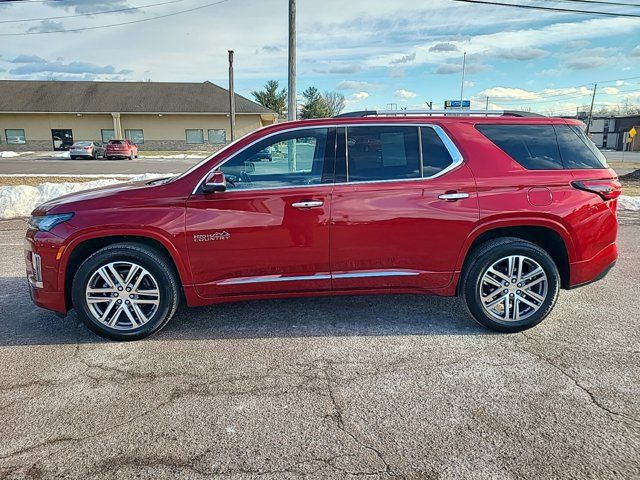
[(502, 210), (121, 149)]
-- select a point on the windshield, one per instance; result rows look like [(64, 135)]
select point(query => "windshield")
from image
[(115, 142), (82, 144)]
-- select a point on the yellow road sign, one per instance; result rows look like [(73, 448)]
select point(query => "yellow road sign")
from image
[(632, 132)]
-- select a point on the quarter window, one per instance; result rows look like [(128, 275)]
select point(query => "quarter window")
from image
[(533, 146), (15, 136), (293, 158), (135, 136), (577, 150), (194, 136), (382, 153), (435, 156), (217, 136)]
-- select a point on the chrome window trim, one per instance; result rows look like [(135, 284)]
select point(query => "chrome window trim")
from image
[(456, 156)]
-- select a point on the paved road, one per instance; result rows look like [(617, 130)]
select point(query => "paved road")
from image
[(43, 165), (51, 166), (327, 388)]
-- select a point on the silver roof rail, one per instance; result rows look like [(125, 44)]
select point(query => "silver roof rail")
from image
[(447, 113)]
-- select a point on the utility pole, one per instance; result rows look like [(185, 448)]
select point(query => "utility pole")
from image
[(430, 105), (487, 105), (464, 61), (232, 98), (593, 97), (293, 104)]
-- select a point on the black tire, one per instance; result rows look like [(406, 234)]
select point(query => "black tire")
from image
[(150, 259), (72, 157), (483, 257), (107, 157)]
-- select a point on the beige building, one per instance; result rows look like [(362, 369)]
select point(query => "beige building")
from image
[(50, 115)]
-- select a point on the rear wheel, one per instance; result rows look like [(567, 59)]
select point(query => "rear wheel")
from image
[(510, 284), (125, 291)]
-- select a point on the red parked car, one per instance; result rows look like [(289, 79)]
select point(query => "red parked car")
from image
[(502, 210), (121, 149)]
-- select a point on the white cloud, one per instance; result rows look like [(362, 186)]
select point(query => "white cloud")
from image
[(405, 59), (356, 97), (356, 85), (405, 94), (507, 93), (359, 95), (610, 90), (521, 54)]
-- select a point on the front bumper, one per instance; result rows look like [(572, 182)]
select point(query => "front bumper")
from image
[(41, 249)]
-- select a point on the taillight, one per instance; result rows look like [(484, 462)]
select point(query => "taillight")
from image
[(87, 148), (607, 189)]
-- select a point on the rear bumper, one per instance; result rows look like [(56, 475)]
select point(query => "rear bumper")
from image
[(594, 269)]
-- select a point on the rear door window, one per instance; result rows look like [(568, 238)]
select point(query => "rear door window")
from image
[(435, 156), (377, 153), (533, 146), (577, 150)]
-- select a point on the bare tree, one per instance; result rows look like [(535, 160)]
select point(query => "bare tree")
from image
[(335, 102)]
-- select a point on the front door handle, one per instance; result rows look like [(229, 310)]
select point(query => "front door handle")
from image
[(310, 204), (453, 196)]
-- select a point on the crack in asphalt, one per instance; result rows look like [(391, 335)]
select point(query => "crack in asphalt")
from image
[(592, 397), (341, 425)]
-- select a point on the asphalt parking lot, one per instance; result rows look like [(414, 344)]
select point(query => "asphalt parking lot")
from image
[(400, 386)]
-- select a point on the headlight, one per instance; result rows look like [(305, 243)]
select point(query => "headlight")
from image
[(45, 223)]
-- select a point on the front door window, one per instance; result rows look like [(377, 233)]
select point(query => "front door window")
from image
[(288, 159)]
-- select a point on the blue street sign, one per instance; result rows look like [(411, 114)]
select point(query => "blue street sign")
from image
[(456, 104)]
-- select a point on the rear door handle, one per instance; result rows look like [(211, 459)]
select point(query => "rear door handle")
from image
[(310, 204), (452, 197)]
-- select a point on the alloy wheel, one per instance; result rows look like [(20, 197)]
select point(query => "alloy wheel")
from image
[(513, 288), (122, 295)]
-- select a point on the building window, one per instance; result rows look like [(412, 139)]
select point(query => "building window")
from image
[(217, 136), (135, 135), (107, 135), (15, 136), (194, 136)]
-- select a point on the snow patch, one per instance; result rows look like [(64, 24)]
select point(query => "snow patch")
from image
[(9, 154), (61, 155), (625, 202), (21, 200)]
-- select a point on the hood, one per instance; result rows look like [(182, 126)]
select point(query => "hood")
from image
[(107, 195)]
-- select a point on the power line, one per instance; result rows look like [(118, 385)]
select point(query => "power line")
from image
[(116, 24), (550, 9), (91, 14)]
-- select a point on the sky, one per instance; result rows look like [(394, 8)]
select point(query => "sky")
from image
[(377, 53)]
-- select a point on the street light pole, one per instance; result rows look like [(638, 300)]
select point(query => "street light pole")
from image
[(293, 104), (593, 97), (464, 61), (232, 98)]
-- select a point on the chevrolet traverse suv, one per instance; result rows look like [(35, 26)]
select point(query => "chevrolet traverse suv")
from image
[(501, 209)]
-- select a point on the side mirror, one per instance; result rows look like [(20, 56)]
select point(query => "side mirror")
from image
[(214, 182)]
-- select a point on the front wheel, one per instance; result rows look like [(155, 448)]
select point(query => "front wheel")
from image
[(510, 284), (125, 291)]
